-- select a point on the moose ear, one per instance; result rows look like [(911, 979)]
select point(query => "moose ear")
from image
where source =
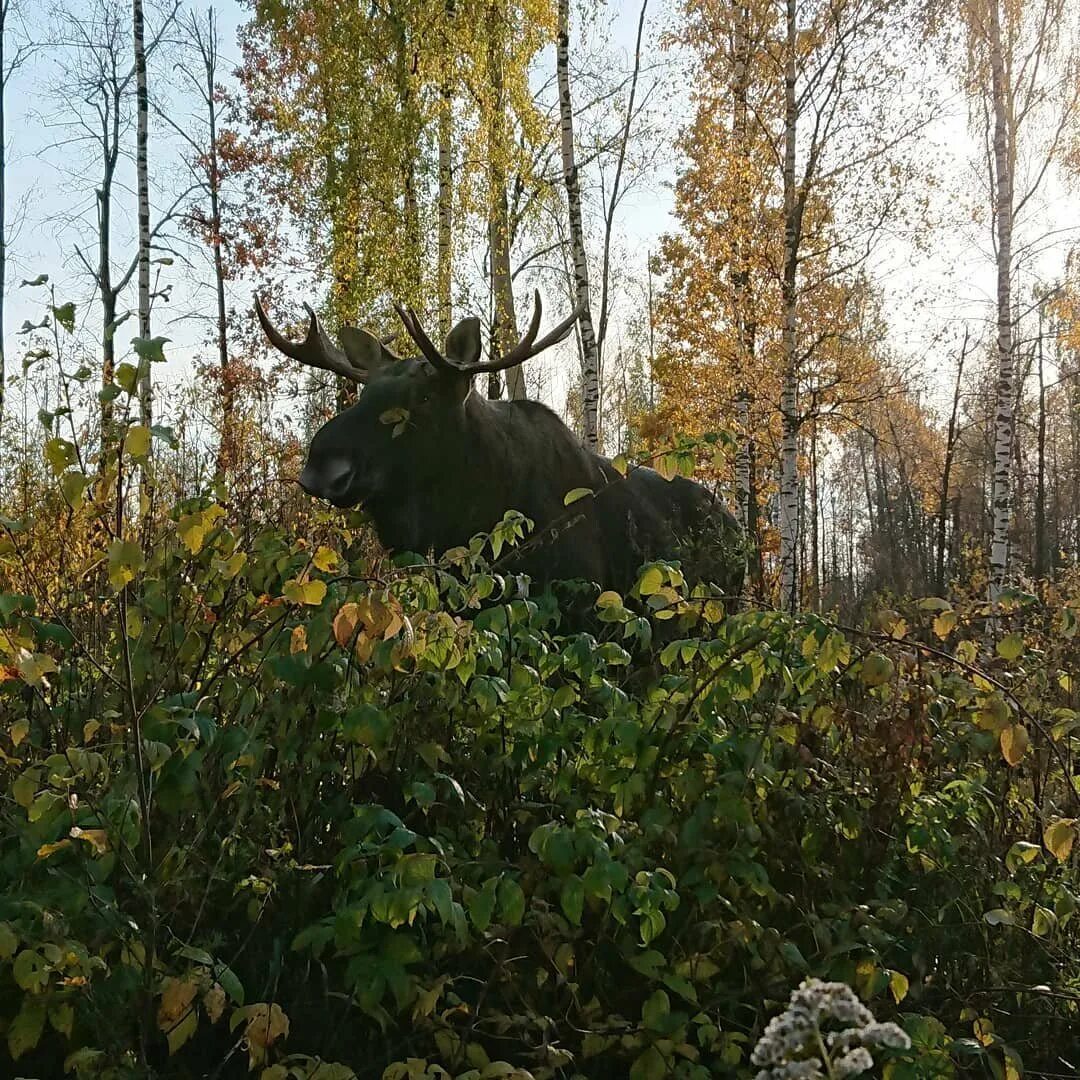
[(364, 350), (463, 343)]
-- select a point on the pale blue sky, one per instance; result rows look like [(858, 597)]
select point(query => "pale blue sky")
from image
[(952, 278)]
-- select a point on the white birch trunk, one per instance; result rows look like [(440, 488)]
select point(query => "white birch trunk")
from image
[(789, 446), (1001, 504), (444, 257), (446, 193), (590, 358), (742, 460), (143, 186)]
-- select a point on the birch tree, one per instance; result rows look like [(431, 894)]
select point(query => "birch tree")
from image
[(590, 359), (1022, 80), (14, 52), (142, 179)]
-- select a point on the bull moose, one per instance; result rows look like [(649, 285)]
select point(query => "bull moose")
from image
[(433, 463)]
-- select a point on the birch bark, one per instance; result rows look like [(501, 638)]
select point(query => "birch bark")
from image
[(590, 359), (142, 107), (789, 446), (1001, 498)]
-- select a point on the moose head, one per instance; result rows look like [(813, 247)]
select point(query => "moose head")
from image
[(409, 411)]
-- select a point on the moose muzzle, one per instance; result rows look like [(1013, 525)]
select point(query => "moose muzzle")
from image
[(330, 481)]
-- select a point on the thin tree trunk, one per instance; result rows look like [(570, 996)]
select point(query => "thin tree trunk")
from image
[(142, 106), (1001, 499), (946, 472), (815, 541), (228, 445), (590, 360), (504, 332), (444, 257), (3, 197), (740, 272), (1040, 478), (789, 465)]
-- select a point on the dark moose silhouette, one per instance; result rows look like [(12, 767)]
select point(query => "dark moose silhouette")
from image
[(433, 462)]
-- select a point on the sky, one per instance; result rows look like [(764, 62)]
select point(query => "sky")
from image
[(930, 291)]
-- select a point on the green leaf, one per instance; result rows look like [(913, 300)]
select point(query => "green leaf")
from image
[(65, 316), (60, 454), (999, 917), (74, 485), (41, 279), (126, 376), (125, 561), (481, 904), (9, 941), (934, 603), (572, 899), (30, 971), (150, 349), (649, 1066), (1043, 922), (655, 1011), (511, 902), (577, 493), (62, 1017), (26, 1028), (877, 669)]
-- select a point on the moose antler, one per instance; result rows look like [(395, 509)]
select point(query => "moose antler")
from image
[(316, 350), (527, 347)]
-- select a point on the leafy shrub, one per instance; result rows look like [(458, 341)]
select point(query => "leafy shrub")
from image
[(271, 807)]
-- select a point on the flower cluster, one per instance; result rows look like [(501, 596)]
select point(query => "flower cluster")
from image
[(794, 1047)]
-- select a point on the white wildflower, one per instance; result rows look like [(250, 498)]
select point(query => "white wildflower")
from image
[(793, 1045), (852, 1063)]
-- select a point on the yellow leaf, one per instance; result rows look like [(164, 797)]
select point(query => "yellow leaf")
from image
[(18, 731), (575, 495), (1014, 743), (325, 559), (90, 729), (1010, 647), (298, 640), (1059, 837), (230, 567), (98, 839), (668, 466), (311, 593), (33, 667), (898, 985), (265, 1025), (945, 623), (620, 464), (651, 581), (176, 998), (137, 443), (608, 599), (345, 623), (46, 850), (133, 623)]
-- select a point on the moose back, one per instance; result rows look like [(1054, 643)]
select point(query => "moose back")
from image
[(433, 463)]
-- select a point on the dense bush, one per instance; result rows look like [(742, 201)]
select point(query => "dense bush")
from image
[(268, 806)]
